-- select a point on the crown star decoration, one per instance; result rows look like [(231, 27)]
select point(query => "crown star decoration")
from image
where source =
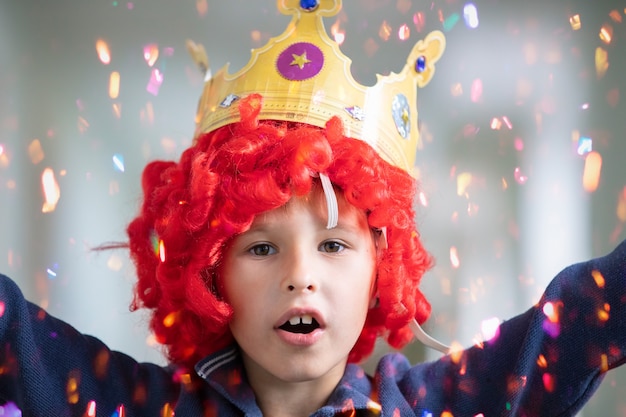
[(304, 77)]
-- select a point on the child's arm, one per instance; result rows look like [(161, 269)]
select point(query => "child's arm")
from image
[(47, 368), (545, 362)]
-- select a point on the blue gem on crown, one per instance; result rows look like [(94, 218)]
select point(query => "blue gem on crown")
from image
[(309, 5), (420, 64)]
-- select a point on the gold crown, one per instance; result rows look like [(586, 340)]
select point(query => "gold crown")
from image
[(303, 77)]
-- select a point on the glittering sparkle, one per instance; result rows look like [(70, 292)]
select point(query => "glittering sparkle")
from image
[(356, 112), (228, 100), (401, 115)]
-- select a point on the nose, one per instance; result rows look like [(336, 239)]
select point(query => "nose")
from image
[(299, 273)]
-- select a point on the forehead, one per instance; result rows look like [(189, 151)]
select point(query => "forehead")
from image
[(315, 203)]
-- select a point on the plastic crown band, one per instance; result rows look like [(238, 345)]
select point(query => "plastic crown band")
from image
[(303, 77)]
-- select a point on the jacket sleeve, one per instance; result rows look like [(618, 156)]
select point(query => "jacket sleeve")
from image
[(47, 368), (545, 362)]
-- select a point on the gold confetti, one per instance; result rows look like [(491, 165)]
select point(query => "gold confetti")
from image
[(463, 181), (71, 389), (574, 22), (51, 191), (542, 362), (454, 257), (170, 319), (602, 62), (606, 33), (598, 278), (102, 48), (592, 171), (35, 152), (385, 31), (338, 34), (621, 206), (604, 363), (202, 7), (616, 16), (114, 85)]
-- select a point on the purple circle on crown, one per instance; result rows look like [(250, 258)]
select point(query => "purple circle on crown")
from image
[(300, 61)]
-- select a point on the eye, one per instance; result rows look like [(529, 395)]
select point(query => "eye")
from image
[(262, 249), (332, 246)]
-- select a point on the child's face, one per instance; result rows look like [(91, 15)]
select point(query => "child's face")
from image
[(289, 268)]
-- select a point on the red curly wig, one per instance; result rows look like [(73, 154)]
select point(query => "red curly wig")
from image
[(193, 208)]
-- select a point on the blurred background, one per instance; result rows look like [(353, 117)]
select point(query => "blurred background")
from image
[(521, 163)]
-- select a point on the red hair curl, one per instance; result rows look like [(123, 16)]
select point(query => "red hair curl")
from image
[(193, 208)]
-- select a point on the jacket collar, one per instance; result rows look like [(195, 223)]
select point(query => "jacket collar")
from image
[(224, 372)]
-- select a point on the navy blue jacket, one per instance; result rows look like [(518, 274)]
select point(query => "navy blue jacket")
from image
[(537, 366)]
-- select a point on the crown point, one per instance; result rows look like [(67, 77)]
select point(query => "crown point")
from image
[(420, 64), (309, 5)]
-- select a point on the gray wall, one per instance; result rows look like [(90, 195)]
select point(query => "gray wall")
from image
[(511, 236)]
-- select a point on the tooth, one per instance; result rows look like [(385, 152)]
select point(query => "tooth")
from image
[(294, 320), (307, 319)]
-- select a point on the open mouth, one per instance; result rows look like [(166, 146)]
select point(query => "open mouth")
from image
[(300, 324)]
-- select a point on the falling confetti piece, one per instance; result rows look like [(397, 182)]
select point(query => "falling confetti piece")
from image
[(10, 410), (51, 190), (604, 362), (151, 53), (419, 20), (470, 15), (91, 409), (156, 79), (495, 124), (454, 257), (551, 312), (490, 328), (606, 33), (451, 21), (35, 152), (102, 48), (161, 251), (598, 278), (548, 382), (520, 178), (602, 62), (404, 32), (463, 181), (621, 206), (118, 162), (115, 263), (338, 34), (574, 22), (114, 84), (170, 319), (542, 361), (592, 171), (585, 145), (476, 90), (616, 16), (385, 31), (71, 388), (202, 7)]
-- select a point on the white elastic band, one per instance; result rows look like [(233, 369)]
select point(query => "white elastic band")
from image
[(423, 337), (331, 201)]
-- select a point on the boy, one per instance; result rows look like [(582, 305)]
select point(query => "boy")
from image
[(281, 245)]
